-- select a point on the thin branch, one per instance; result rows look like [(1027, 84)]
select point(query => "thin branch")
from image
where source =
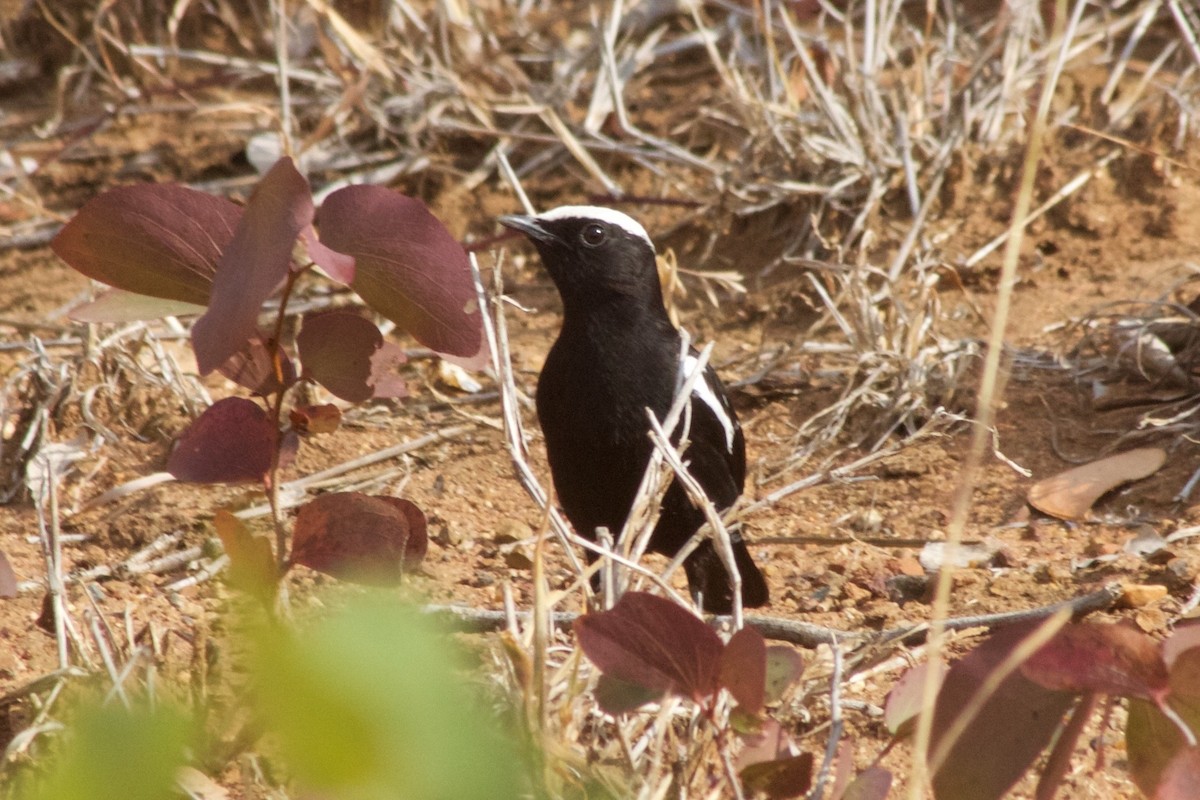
[(805, 634)]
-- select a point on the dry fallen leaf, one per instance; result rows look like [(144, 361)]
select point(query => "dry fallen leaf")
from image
[(1070, 494), (8, 578)]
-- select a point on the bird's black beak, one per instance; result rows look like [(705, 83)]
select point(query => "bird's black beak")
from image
[(528, 226)]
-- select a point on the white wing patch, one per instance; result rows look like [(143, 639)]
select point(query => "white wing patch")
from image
[(600, 214), (704, 393)]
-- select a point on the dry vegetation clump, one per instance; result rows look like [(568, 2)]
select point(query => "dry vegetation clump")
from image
[(1140, 355), (854, 163)]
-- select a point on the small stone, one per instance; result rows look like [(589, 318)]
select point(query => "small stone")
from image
[(1140, 595), (511, 530), (518, 558), (1181, 572), (1057, 573), (905, 565), (1096, 549), (1004, 559), (1145, 542), (903, 588), (212, 548), (852, 617), (868, 520), (448, 535), (935, 555), (854, 593)]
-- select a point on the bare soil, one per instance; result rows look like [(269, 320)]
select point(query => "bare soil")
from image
[(1130, 234)]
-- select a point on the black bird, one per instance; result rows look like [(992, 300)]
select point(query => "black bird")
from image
[(617, 355)]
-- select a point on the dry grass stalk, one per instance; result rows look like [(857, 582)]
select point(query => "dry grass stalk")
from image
[(925, 762)]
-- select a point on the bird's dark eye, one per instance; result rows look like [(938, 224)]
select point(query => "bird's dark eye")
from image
[(593, 235)]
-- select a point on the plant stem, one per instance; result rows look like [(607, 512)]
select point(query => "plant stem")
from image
[(275, 349)]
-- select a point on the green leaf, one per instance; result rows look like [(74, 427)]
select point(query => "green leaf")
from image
[(111, 752), (784, 667), (780, 779), (366, 704)]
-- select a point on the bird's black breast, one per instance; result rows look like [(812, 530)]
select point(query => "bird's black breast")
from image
[(592, 398)]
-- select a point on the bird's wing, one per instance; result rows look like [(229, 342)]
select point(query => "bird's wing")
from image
[(717, 441)]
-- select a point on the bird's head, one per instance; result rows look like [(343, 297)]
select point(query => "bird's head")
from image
[(593, 254)]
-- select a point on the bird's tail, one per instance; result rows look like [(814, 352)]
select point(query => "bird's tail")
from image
[(707, 578)]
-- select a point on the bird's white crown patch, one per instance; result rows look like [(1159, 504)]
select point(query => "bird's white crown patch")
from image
[(600, 214)]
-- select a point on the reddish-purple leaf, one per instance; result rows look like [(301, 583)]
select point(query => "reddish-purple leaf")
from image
[(654, 643), (1152, 739), (784, 667), (780, 779), (479, 360), (254, 368), (1181, 779), (1058, 763), (252, 567), (407, 265), (1095, 657), (348, 356), (904, 699), (873, 783), (324, 418), (743, 669), (1185, 677), (769, 743), (118, 305), (45, 619), (253, 265), (843, 770), (1014, 725), (1185, 636), (615, 696), (418, 530), (360, 538), (231, 442), (161, 240), (336, 265), (8, 578)]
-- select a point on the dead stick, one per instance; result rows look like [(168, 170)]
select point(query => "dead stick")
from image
[(805, 634)]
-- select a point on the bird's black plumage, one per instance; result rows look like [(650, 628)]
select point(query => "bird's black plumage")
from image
[(617, 355)]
